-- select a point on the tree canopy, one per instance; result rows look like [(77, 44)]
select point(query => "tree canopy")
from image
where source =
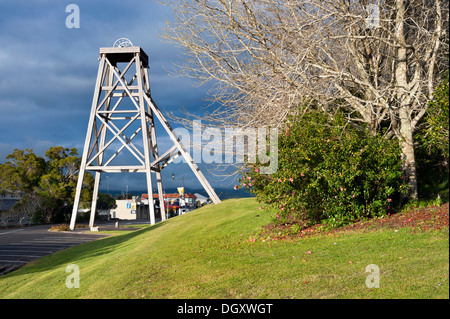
[(46, 184), (378, 62)]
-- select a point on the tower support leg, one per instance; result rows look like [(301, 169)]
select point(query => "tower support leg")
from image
[(76, 204), (146, 139)]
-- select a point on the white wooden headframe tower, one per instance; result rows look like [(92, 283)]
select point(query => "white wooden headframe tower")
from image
[(110, 123)]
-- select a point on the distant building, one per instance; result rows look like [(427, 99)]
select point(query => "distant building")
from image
[(7, 202), (174, 203), (190, 200), (202, 199), (137, 208), (126, 209), (173, 199), (132, 209)]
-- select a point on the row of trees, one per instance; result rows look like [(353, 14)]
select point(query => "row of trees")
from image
[(46, 184)]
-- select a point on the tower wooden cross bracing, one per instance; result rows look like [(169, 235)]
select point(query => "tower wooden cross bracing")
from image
[(122, 111)]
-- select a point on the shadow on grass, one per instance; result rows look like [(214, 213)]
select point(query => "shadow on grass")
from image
[(78, 253)]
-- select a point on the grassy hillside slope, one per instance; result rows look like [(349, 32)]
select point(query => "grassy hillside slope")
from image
[(215, 252)]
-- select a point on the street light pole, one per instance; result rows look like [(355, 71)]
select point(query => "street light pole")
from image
[(182, 178)]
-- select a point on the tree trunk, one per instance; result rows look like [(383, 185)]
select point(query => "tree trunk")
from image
[(409, 160), (406, 126)]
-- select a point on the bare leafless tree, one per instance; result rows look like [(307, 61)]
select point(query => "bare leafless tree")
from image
[(380, 59)]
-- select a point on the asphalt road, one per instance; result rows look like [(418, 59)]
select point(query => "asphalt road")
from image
[(19, 246)]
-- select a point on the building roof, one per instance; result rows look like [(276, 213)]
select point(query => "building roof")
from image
[(200, 196), (7, 204), (172, 196)]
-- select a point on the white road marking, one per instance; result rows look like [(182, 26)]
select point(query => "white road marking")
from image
[(8, 255), (10, 231), (33, 245), (43, 253), (44, 241), (14, 261)]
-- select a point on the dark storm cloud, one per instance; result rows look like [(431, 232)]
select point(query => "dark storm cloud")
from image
[(48, 71)]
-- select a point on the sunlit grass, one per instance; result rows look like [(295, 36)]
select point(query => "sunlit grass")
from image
[(209, 253)]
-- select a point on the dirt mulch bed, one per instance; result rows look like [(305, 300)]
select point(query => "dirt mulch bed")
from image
[(419, 219)]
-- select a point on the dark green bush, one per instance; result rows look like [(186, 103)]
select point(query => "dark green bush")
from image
[(328, 173), (432, 146)]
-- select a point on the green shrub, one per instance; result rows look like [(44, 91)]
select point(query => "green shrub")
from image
[(432, 146), (436, 131), (85, 216), (328, 173)]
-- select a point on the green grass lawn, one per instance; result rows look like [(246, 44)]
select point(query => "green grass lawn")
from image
[(209, 253)]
